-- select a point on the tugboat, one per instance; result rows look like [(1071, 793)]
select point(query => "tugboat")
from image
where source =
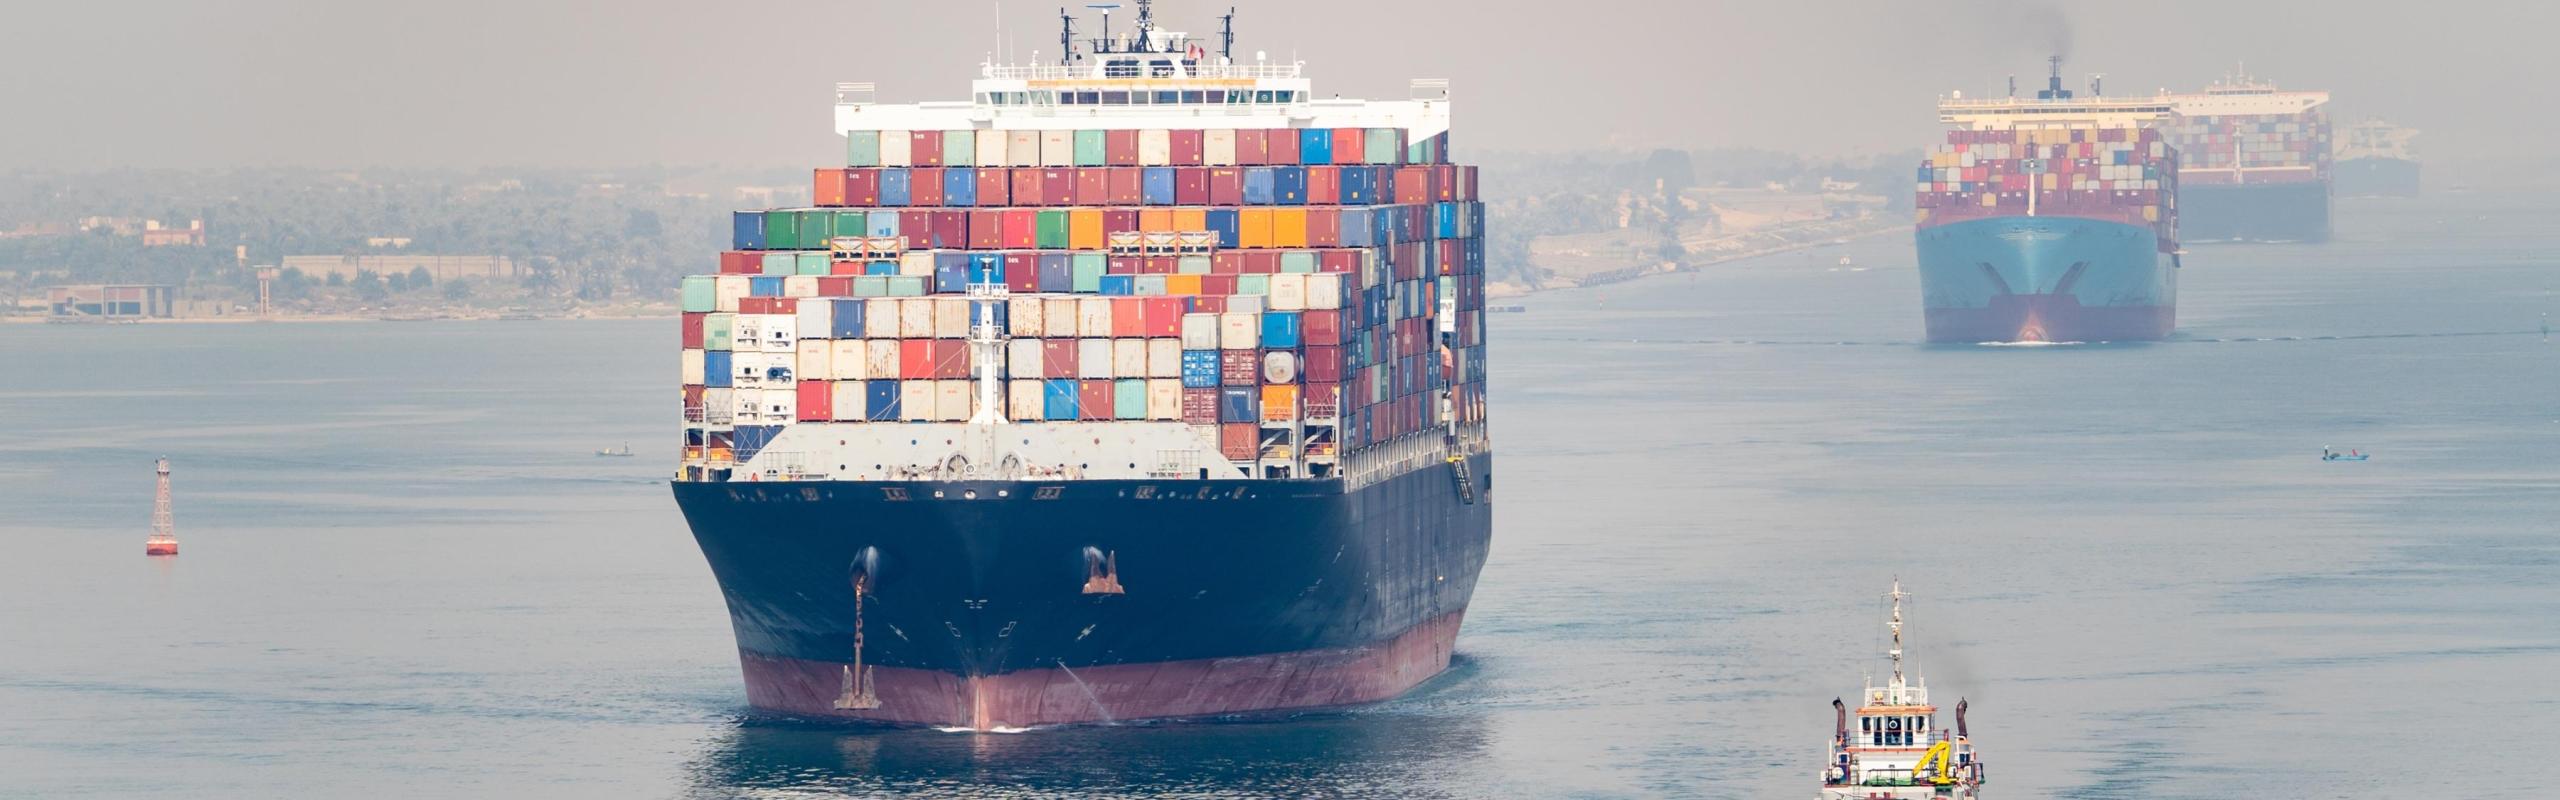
[(1896, 751)]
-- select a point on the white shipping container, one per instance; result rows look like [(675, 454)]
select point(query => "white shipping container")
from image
[(1027, 400), (1164, 358), (915, 318), (916, 264), (800, 286), (781, 333), (746, 370), (880, 318), (954, 400), (725, 291), (1057, 148), (1022, 358), (880, 359), (746, 332), (746, 406), (719, 406), (1324, 291), (1219, 149), (849, 401), (816, 319), (990, 145), (1023, 318), (1200, 331), (1093, 358), (1289, 292), (690, 367), (1128, 358), (917, 401), (780, 405), (897, 149), (1155, 148), (1022, 148), (817, 360), (1093, 316), (1164, 398), (1246, 303), (849, 360), (1239, 331), (1063, 310), (950, 318)]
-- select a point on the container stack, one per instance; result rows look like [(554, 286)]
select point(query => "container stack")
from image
[(1284, 287), (2273, 148), (2119, 174)]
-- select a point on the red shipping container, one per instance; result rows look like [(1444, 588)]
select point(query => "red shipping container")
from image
[(691, 329), (1186, 147), (1021, 229), (950, 359), (1094, 400), (1022, 272), (826, 187), (1323, 364), (1225, 262), (915, 359), (1261, 262), (1057, 187), (1160, 265), (1226, 186), (1413, 185), (1119, 220), (1200, 406), (1350, 145), (995, 186), (692, 400), (1321, 326), (1026, 186), (1444, 182), (1467, 183), (1128, 317), (1120, 148), (1324, 227), (845, 268), (817, 401), (1250, 148), (1324, 186), (1283, 143), (1240, 367), (917, 226), (1205, 304), (741, 263), (1218, 285), (1191, 185), (1164, 316), (1240, 441), (1058, 358), (752, 305), (1126, 184), (835, 286), (950, 229), (925, 149), (1338, 260), (862, 187), (1323, 399), (1123, 265), (986, 230), (924, 188), (1093, 186)]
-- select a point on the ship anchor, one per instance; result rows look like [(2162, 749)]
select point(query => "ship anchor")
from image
[(1101, 571), (857, 678)]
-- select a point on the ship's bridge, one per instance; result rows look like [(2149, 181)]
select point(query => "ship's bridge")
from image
[(2243, 95)]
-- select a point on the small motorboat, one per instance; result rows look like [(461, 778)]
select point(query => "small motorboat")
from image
[(610, 452), (2327, 454)]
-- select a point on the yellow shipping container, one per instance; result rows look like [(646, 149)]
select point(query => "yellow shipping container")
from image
[(2151, 213), (1182, 284), (1989, 199), (1084, 229), (1289, 227), (2052, 182), (1279, 403), (1253, 227)]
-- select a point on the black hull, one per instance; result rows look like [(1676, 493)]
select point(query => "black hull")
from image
[(2260, 212)]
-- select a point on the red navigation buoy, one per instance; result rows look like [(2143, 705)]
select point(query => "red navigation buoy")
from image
[(164, 529)]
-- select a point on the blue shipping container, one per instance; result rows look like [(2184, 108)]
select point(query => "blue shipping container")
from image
[(1290, 185), (1155, 186), (764, 286), (1057, 273), (895, 186), (1199, 369), (882, 224), (1259, 184), (959, 186), (1355, 226), (715, 368), (1359, 184), (846, 319), (1280, 329), (1315, 146), (950, 273), (746, 230), (1240, 404), (1444, 220), (1224, 222), (880, 401), (1119, 285), (1058, 399), (880, 268), (986, 267)]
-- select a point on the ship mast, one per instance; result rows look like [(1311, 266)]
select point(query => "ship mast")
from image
[(1896, 652)]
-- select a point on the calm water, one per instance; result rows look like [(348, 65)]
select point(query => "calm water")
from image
[(405, 575)]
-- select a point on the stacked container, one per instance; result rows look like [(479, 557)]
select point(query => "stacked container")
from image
[(2274, 148), (1282, 287), (2127, 175)]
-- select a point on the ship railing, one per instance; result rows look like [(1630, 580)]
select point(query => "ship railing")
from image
[(1055, 72), (850, 93)]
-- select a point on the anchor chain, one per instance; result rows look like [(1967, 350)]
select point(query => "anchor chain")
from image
[(857, 678)]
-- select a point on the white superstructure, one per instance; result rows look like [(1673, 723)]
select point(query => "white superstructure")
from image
[(2375, 138), (1894, 748), (2240, 95)]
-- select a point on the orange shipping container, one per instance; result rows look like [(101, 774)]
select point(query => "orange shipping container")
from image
[(1190, 219), (1128, 317), (1254, 227), (1182, 284), (1279, 403), (1240, 441), (1155, 219), (1289, 227), (1084, 229)]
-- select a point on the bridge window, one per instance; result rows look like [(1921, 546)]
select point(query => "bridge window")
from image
[(1191, 97), (1262, 96), (1217, 95), (1115, 98), (1168, 98)]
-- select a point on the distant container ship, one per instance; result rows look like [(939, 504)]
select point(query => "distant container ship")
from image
[(2253, 163), (2377, 159), (2051, 218), (1146, 384)]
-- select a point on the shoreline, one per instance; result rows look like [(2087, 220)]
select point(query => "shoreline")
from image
[(243, 319), (1509, 290)]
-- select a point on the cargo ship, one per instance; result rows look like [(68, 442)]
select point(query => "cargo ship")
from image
[(2376, 159), (1897, 751), (2049, 219), (1143, 384), (2253, 163)]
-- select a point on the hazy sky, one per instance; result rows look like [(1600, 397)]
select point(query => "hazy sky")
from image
[(101, 83)]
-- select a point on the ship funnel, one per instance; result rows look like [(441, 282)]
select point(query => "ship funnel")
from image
[(1960, 731), (2053, 81), (1840, 715)]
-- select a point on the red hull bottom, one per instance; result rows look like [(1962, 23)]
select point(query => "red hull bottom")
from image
[(2050, 318), (1102, 693), (159, 550)]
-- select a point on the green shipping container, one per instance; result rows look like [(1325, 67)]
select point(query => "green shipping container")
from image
[(959, 148), (871, 286), (782, 263), (1051, 232), (906, 286), (715, 331), (813, 263), (1089, 148), (1088, 267), (699, 296), (1381, 147), (1253, 284), (862, 149), (1420, 153), (1192, 265), (1298, 261), (1151, 285), (851, 223), (818, 226), (1129, 399), (781, 230)]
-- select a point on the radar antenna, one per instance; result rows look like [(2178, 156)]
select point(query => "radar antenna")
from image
[(1066, 37), (1227, 35), (1146, 24)]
